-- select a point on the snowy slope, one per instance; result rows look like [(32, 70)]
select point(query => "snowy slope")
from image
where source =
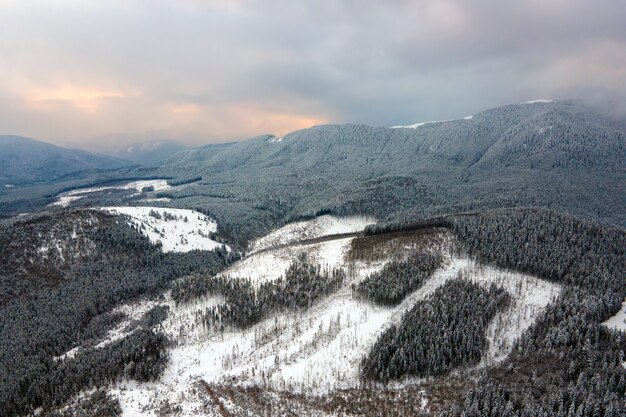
[(131, 312), (178, 230), (320, 226), (318, 350)]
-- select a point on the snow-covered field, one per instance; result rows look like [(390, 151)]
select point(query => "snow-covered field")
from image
[(320, 226), (64, 199), (618, 321), (178, 230), (318, 350)]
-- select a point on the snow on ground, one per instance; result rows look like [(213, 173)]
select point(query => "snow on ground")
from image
[(178, 230), (416, 125), (618, 321), (270, 265), (261, 267), (65, 200), (319, 226), (541, 100), (274, 139), (318, 350), (429, 122), (530, 297), (121, 330), (156, 200), (67, 197)]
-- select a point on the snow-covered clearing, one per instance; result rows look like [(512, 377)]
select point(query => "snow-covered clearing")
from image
[(271, 265), (618, 321), (318, 350), (178, 230), (309, 229), (131, 311), (156, 200), (67, 197)]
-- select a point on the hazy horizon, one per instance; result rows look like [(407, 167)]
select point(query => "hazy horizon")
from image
[(102, 76)]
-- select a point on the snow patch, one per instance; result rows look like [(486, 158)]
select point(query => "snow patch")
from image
[(178, 230), (64, 199), (274, 139), (156, 200), (429, 122), (309, 229), (618, 321), (541, 100), (416, 125), (131, 312), (529, 298)]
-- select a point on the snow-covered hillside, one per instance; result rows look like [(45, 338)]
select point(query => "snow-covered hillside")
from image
[(178, 230), (320, 226), (318, 350)]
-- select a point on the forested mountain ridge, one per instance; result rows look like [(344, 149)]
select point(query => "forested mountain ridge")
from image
[(25, 161), (536, 130), (558, 154)]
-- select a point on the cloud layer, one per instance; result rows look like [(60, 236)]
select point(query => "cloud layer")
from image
[(96, 74)]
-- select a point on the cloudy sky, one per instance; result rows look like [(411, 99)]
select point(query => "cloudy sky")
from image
[(97, 74)]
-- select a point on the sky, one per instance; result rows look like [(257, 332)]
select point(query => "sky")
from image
[(99, 75)]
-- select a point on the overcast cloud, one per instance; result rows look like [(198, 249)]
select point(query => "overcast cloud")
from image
[(97, 74)]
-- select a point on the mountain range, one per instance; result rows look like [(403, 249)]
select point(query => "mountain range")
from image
[(557, 154), (553, 154)]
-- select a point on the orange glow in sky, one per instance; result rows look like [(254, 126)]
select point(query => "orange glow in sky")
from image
[(88, 99)]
